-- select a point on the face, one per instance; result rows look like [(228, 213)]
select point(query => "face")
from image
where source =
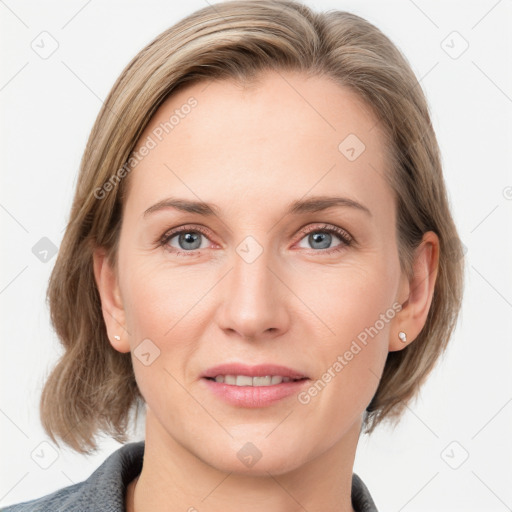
[(294, 263)]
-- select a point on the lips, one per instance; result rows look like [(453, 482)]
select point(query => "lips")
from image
[(239, 371), (246, 386), (245, 380)]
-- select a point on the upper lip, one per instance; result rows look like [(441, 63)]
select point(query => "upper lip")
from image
[(260, 370)]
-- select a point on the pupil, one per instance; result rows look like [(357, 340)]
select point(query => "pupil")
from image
[(190, 238), (318, 238)]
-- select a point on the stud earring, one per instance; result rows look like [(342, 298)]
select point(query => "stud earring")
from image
[(117, 337), (402, 336)]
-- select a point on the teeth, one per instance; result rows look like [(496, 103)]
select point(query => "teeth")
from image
[(245, 380)]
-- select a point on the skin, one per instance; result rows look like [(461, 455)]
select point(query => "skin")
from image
[(251, 151)]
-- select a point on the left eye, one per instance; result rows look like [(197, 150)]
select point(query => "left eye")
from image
[(321, 238)]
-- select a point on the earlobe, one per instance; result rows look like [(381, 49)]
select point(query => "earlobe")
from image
[(415, 307), (111, 303)]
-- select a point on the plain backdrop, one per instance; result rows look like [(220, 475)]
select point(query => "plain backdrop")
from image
[(453, 448)]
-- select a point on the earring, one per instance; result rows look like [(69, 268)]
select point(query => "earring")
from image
[(117, 337), (402, 336)]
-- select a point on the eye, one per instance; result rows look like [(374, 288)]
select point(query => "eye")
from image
[(321, 237), (189, 240), (184, 239)]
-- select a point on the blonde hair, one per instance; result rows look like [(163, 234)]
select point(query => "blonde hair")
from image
[(92, 388)]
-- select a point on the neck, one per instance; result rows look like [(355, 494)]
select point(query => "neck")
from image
[(189, 484)]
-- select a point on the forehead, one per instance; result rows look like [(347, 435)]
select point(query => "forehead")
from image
[(285, 131)]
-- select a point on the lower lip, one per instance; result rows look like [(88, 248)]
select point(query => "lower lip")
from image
[(254, 396)]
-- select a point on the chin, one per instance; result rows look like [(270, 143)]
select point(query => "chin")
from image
[(256, 457)]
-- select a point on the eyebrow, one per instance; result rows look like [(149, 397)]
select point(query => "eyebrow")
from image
[(300, 206)]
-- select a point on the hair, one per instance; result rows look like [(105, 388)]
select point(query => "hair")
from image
[(92, 388)]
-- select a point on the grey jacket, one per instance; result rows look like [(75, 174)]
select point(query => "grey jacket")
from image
[(104, 490)]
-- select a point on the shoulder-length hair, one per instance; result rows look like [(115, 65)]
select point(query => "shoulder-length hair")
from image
[(92, 388)]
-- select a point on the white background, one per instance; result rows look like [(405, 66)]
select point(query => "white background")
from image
[(48, 108)]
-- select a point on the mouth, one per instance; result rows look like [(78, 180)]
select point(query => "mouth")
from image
[(253, 386), (247, 380), (239, 374)]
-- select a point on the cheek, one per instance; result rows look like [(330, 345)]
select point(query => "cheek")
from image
[(164, 316), (156, 296), (348, 298), (357, 306), (344, 386)]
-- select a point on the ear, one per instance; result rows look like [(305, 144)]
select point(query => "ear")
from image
[(111, 303), (416, 292)]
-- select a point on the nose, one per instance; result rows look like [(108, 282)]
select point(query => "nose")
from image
[(255, 299)]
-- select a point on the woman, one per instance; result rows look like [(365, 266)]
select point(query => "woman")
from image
[(261, 253)]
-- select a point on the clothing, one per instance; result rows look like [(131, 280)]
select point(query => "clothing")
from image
[(104, 490)]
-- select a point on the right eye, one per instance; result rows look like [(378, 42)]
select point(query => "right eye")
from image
[(185, 239)]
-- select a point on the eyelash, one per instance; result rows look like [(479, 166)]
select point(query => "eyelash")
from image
[(345, 238)]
